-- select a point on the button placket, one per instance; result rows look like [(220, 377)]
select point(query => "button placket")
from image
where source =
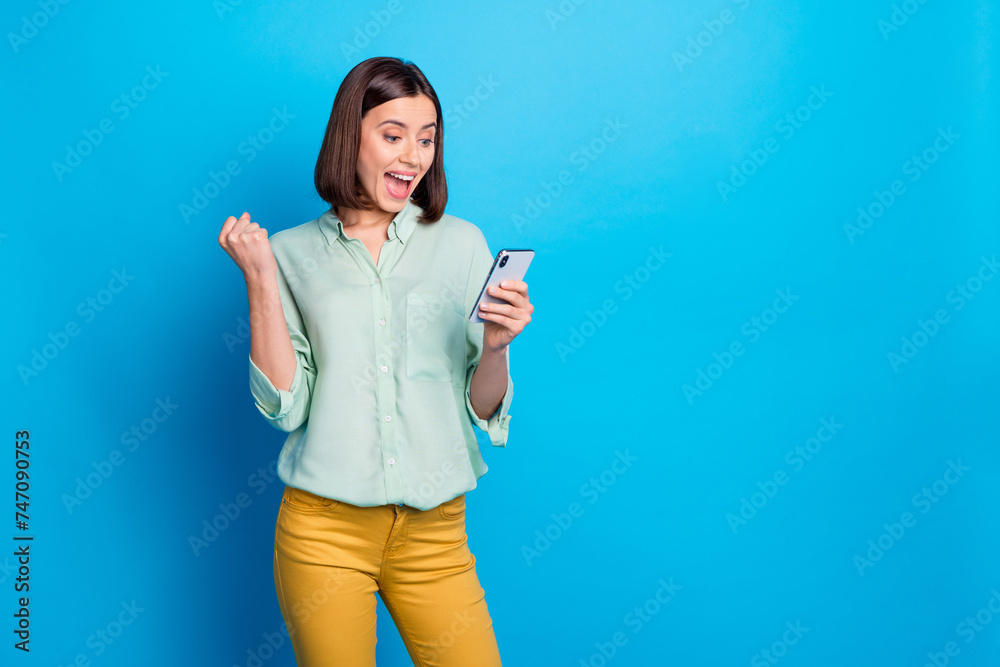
[(385, 389)]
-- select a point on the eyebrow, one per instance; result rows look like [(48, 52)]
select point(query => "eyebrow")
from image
[(402, 124)]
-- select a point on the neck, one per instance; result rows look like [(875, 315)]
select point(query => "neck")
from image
[(364, 219)]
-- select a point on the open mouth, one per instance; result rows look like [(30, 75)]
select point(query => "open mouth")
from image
[(398, 184)]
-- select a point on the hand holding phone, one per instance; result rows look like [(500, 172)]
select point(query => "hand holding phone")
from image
[(509, 264)]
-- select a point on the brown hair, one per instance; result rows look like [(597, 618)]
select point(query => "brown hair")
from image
[(373, 82)]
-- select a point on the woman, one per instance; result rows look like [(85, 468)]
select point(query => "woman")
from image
[(362, 350)]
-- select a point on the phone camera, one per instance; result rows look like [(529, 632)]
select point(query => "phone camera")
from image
[(504, 260)]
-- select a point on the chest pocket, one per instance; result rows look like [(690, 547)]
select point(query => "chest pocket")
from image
[(435, 339)]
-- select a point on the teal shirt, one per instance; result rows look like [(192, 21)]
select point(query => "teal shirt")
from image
[(379, 409)]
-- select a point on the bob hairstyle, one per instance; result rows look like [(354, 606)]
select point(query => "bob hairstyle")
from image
[(370, 83)]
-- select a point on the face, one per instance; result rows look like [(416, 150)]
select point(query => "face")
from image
[(397, 149)]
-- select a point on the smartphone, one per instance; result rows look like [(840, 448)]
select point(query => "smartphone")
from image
[(509, 264)]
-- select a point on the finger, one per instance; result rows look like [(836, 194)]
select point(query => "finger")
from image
[(509, 295), (516, 285), (242, 222), (512, 326), (227, 227), (253, 234), (506, 310), (493, 317), (241, 226)]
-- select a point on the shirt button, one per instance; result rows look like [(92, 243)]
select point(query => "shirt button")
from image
[(391, 461), (378, 280), (388, 418), (381, 323), (385, 368)]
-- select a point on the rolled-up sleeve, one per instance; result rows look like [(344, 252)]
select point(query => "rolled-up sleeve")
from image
[(286, 410), (496, 427)]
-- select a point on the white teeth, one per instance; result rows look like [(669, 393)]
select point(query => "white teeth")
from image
[(401, 176)]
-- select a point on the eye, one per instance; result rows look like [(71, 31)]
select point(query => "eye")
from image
[(388, 137), (426, 142)]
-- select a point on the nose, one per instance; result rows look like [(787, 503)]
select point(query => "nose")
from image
[(409, 155)]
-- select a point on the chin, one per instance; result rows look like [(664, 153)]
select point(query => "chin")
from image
[(399, 203), (393, 205)]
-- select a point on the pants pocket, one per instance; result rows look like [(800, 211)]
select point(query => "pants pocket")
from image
[(304, 501), (453, 509)]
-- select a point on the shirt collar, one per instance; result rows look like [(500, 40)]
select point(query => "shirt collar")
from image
[(401, 226)]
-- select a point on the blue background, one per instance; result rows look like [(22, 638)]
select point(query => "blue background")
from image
[(697, 94)]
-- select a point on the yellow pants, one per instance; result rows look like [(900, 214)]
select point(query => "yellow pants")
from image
[(330, 557)]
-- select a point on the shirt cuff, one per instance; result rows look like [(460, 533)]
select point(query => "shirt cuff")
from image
[(272, 402), (498, 424)]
